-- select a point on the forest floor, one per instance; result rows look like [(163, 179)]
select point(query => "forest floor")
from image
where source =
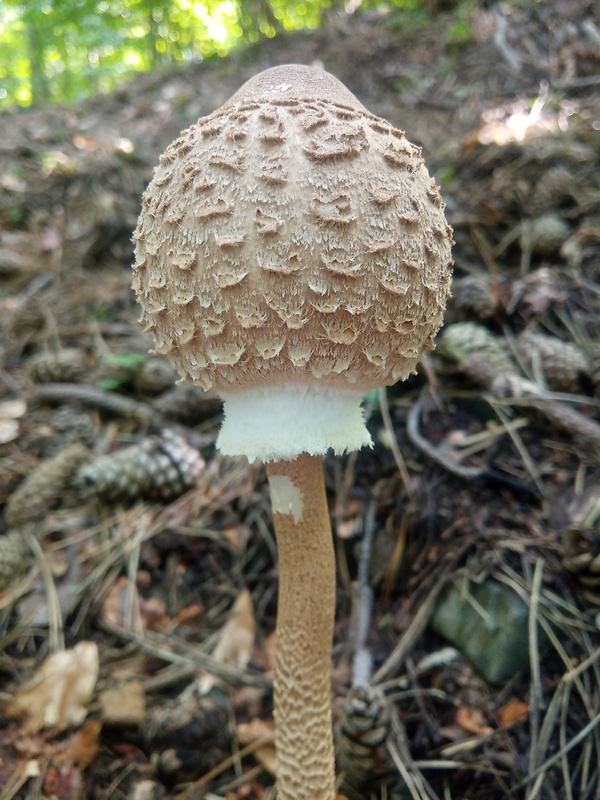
[(137, 567)]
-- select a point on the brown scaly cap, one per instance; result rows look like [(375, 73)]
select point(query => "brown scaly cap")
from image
[(292, 236)]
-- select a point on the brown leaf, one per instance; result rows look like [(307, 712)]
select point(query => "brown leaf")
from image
[(260, 731), (84, 745), (153, 613), (59, 693), (150, 614), (236, 640), (512, 711), (114, 605), (471, 720), (124, 703), (189, 613)]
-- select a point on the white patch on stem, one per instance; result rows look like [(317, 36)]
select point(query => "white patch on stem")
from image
[(286, 497)]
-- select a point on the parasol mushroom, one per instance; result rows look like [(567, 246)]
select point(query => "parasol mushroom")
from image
[(292, 253)]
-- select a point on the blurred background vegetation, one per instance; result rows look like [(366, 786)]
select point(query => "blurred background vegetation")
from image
[(62, 50)]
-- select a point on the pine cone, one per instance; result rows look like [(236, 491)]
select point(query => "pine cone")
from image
[(155, 377), (72, 426), (581, 544), (465, 339), (548, 233), (14, 558), (555, 188), (187, 403), (188, 739), (44, 488), (360, 738), (563, 364), (63, 366), (158, 468), (476, 296), (594, 360), (28, 317)]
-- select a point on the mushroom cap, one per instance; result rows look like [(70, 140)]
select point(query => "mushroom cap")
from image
[(291, 238)]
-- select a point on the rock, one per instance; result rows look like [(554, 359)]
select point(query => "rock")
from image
[(488, 623)]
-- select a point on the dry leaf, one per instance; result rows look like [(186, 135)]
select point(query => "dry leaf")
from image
[(189, 613), (512, 711), (471, 720), (149, 614), (12, 409), (124, 703), (84, 745), (58, 694), (263, 731), (113, 608), (153, 613), (236, 640), (10, 413)]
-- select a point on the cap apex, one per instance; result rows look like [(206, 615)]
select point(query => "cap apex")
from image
[(293, 82)]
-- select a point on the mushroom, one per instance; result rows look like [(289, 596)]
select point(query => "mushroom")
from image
[(292, 253)]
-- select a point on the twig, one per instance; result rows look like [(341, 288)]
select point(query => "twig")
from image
[(421, 618), (189, 792), (521, 392), (443, 455), (56, 627), (508, 53), (393, 443), (520, 446), (90, 396), (163, 647), (535, 703), (410, 636), (363, 606), (411, 775), (583, 733)]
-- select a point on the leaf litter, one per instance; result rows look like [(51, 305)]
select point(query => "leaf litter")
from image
[(496, 479)]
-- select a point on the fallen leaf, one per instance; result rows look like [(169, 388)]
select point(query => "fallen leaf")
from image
[(233, 537), (349, 526), (9, 430), (189, 613), (10, 412), (471, 720), (261, 732), (113, 608), (149, 614), (512, 711), (124, 703), (58, 694), (84, 745), (236, 640), (153, 613)]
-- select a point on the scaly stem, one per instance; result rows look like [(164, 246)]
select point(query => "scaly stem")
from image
[(305, 616)]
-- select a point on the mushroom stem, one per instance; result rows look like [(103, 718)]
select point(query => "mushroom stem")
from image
[(305, 616)]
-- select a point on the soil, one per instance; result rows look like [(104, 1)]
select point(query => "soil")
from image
[(125, 539)]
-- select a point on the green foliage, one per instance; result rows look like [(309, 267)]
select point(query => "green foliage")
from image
[(125, 361), (62, 50), (124, 366), (459, 32)]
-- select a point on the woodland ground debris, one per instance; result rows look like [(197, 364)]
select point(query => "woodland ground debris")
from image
[(507, 120)]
